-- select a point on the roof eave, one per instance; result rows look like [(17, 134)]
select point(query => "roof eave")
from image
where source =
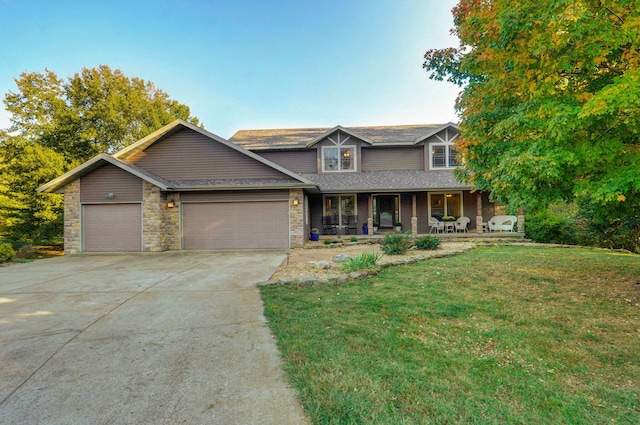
[(333, 130), (56, 185), (396, 190), (435, 131), (247, 187), (159, 134)]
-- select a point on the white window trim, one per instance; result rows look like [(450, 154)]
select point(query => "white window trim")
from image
[(445, 194), (447, 142), (328, 195), (340, 170)]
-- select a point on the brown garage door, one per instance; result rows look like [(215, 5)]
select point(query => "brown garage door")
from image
[(112, 228), (235, 225)]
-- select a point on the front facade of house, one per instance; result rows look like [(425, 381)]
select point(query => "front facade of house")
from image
[(183, 188)]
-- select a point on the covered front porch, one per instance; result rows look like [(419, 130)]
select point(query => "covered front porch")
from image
[(376, 213)]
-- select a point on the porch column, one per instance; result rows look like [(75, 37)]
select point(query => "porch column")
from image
[(521, 220), (479, 218), (414, 216), (370, 215)]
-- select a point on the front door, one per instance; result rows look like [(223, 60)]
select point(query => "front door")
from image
[(386, 210)]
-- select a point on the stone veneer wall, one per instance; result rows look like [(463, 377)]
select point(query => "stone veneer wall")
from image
[(152, 218), (72, 235), (296, 219), (171, 224)]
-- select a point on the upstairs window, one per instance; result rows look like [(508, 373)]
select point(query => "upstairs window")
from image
[(442, 154), (339, 158), (337, 155)]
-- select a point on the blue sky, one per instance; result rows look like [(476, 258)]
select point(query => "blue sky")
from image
[(247, 64)]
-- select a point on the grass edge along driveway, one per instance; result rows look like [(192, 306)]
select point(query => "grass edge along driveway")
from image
[(496, 335)]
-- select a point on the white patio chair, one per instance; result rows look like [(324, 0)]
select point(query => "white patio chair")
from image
[(461, 224), (436, 224)]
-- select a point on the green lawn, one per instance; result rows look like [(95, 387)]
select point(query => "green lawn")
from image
[(498, 335)]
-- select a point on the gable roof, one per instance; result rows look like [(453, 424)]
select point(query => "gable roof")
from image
[(119, 159), (55, 185), (178, 125), (299, 138), (333, 130)]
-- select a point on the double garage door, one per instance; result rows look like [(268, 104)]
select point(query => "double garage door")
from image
[(206, 225), (235, 225)]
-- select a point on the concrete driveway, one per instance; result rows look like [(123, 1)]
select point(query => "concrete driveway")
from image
[(162, 338)]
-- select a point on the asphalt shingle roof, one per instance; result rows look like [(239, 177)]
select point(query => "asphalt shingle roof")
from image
[(232, 183), (393, 180), (299, 137)]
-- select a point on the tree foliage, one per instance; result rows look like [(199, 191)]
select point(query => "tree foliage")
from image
[(57, 124), (550, 108), (97, 110)]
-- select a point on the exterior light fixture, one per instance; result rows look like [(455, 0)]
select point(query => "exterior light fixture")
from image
[(171, 204), (295, 201)]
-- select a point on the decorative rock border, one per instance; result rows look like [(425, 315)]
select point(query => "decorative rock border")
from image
[(311, 279)]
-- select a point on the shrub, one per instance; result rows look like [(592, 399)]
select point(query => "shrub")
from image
[(6, 252), (428, 242), (361, 261), (396, 243), (617, 226), (354, 239), (328, 242), (551, 225)]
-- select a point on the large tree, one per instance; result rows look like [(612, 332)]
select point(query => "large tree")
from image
[(57, 124), (550, 107)]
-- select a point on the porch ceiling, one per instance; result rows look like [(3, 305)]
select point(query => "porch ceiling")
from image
[(386, 181)]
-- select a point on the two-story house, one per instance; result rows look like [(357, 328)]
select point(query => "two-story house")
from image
[(183, 187)]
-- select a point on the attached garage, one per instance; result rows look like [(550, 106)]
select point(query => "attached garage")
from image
[(181, 187), (235, 225), (112, 228)]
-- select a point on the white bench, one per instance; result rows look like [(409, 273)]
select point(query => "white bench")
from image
[(499, 223)]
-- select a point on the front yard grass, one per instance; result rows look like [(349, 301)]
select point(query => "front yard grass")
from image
[(498, 335)]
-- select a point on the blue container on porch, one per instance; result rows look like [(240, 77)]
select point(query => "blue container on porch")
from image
[(365, 229)]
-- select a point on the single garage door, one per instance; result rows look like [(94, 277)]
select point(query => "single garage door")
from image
[(112, 228), (235, 225)]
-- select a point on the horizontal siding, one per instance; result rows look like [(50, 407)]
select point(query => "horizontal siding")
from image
[(305, 161), (188, 155), (406, 158), (406, 210), (240, 196), (422, 212), (107, 179), (363, 210), (315, 211)]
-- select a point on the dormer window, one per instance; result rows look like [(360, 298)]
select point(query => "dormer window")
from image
[(338, 158), (442, 154)]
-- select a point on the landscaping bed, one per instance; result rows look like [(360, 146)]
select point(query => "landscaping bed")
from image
[(300, 262)]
